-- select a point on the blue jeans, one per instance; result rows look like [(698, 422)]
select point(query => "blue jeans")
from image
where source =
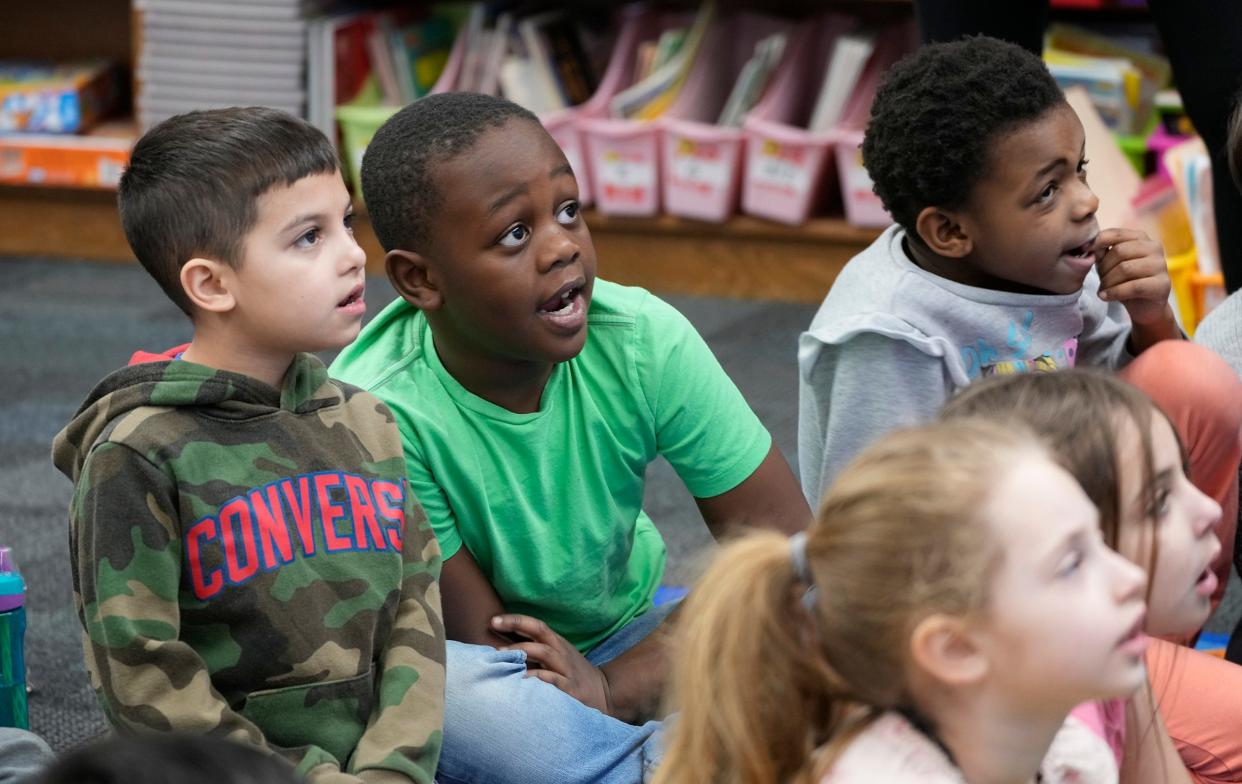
[(501, 727)]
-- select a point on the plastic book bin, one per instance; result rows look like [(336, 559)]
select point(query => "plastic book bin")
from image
[(702, 161), (359, 122), (786, 164), (623, 156), (862, 206)]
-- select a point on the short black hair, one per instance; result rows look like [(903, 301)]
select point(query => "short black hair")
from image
[(937, 114), (152, 758), (398, 177), (193, 182)]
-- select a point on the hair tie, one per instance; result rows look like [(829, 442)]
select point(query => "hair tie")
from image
[(802, 570)]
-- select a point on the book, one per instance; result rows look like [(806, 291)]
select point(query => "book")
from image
[(173, 36), (271, 9), (156, 19), (477, 42), (421, 50), (538, 55), (494, 57), (383, 65), (573, 68), (849, 56), (289, 58), (752, 80), (648, 98), (521, 83), (247, 71)]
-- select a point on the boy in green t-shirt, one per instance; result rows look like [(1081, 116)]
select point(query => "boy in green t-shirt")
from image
[(531, 398)]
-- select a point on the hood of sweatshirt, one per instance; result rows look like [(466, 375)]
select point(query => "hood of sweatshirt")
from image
[(176, 383)]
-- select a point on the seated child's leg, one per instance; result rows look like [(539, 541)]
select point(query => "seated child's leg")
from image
[(501, 726), (1203, 397), (22, 754), (1197, 695)]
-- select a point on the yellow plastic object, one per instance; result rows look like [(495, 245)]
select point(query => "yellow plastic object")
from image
[(1199, 284), (1182, 269), (358, 125)]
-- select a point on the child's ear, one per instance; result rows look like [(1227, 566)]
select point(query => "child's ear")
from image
[(943, 647), (411, 277), (209, 285), (943, 233)]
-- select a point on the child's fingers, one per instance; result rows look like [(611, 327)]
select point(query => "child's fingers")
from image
[(1145, 288), (1110, 237), (547, 676), (525, 625), (542, 655), (1130, 269)]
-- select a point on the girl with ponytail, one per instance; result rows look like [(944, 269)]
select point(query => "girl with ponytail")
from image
[(949, 606)]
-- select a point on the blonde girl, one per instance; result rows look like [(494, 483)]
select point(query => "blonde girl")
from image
[(949, 606), (1128, 457)]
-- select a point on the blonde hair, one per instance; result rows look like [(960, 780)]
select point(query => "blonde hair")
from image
[(769, 692)]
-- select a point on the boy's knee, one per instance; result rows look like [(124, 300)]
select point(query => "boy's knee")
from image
[(1191, 383), (469, 667)]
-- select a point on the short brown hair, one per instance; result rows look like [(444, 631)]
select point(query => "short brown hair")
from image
[(193, 184), (1077, 412)]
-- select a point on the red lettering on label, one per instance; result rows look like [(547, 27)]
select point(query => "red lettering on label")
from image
[(363, 512), (329, 513), (201, 532), (269, 518), (390, 500), (235, 524), (299, 506)]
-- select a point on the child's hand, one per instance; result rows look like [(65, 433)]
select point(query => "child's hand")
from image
[(552, 659), (1133, 272)]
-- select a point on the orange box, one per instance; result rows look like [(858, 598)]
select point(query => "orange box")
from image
[(93, 161)]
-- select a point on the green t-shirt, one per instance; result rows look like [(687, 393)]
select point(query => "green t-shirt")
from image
[(550, 504)]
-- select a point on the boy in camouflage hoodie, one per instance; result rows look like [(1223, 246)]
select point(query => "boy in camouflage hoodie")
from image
[(247, 559)]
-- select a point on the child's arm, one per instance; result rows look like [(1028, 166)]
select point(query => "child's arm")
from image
[(402, 738), (1133, 271), (769, 498), (470, 602), (126, 554), (852, 393)]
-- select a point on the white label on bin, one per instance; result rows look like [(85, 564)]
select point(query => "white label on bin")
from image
[(699, 166), (781, 168), (626, 177)]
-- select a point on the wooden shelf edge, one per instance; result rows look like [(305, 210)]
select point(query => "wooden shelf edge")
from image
[(744, 258)]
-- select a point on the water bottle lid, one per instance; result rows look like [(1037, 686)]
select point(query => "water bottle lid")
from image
[(12, 587)]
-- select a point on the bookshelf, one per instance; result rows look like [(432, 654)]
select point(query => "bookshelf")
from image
[(743, 257)]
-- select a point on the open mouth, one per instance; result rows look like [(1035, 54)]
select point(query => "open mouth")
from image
[(564, 301), (1207, 582), (355, 295), (1082, 252), (1135, 641)]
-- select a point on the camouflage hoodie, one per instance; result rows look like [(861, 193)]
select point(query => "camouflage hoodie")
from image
[(247, 562)]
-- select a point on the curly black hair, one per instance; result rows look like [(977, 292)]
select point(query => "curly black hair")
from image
[(398, 177), (937, 114)]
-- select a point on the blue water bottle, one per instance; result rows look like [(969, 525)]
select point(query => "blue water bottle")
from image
[(13, 709)]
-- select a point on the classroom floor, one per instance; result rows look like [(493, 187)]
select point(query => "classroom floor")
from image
[(64, 325)]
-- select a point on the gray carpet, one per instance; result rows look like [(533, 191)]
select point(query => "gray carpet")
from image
[(65, 325)]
